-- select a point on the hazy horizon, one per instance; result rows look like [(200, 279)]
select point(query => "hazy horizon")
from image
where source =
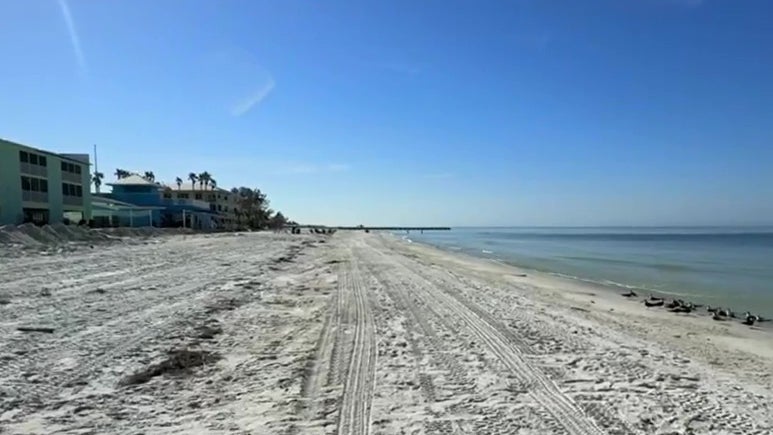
[(597, 113)]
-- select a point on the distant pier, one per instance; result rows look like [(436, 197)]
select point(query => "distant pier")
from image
[(368, 229), (394, 228)]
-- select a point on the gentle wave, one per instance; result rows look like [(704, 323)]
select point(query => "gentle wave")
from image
[(659, 266), (729, 266)]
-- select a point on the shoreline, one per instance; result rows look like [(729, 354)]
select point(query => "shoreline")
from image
[(609, 285), (352, 334), (606, 300)]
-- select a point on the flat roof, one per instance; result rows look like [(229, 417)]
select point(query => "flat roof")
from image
[(186, 186), (133, 180), (50, 153)]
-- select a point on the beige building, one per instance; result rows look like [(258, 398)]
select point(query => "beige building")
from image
[(42, 186), (221, 201)]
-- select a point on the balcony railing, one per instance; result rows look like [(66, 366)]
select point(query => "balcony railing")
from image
[(72, 200), (34, 196), (30, 169), (72, 178), (188, 202)]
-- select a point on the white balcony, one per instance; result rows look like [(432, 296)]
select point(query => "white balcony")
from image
[(72, 177), (73, 200), (30, 169), (29, 196)]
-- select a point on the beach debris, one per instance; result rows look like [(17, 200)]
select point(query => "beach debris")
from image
[(35, 329), (751, 319), (208, 332), (716, 316), (683, 308), (177, 362), (654, 302), (630, 294)]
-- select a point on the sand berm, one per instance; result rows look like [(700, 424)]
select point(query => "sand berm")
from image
[(263, 333)]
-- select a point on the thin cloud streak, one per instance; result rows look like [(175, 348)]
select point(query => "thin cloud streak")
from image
[(74, 39), (259, 95)]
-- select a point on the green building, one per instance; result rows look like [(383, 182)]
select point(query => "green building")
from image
[(41, 186)]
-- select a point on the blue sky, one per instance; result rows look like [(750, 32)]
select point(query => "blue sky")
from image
[(600, 112)]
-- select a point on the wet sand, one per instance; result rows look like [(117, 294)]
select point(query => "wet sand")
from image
[(354, 334)]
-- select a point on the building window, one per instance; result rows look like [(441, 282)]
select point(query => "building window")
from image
[(182, 196), (167, 196), (24, 157), (70, 189), (31, 184), (71, 168), (42, 161), (219, 207), (197, 196), (34, 159)]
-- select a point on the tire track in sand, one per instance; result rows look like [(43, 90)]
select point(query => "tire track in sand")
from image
[(542, 390), (355, 410)]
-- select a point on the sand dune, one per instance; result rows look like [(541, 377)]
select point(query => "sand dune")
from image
[(354, 334)]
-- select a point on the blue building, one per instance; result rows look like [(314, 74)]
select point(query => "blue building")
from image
[(139, 202)]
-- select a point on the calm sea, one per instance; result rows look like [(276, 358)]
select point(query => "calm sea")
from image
[(718, 266)]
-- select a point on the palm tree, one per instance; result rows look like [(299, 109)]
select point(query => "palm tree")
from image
[(193, 177), (179, 182), (120, 173), (150, 176), (212, 183), (204, 178), (97, 180)]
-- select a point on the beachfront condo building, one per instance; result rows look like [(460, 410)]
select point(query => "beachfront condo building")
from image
[(138, 202), (220, 201), (42, 186)]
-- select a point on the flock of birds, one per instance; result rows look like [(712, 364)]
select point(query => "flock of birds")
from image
[(680, 306)]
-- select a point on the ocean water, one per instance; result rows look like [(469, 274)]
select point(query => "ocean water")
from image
[(723, 266)]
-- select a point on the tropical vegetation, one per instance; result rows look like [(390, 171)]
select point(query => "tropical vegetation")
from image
[(97, 180), (251, 205)]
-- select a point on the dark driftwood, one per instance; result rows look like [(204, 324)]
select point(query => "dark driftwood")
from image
[(35, 329)]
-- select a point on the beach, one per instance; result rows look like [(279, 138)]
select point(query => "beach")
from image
[(354, 333)]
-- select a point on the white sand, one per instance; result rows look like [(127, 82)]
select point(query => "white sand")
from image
[(356, 334)]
